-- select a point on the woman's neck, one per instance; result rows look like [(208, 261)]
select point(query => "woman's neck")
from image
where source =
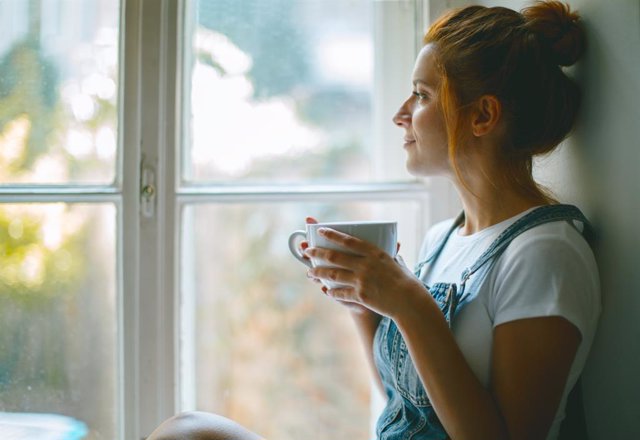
[(487, 205), (488, 194)]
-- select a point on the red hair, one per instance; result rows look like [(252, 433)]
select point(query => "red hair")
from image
[(515, 57)]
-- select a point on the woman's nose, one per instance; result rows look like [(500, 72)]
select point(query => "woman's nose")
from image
[(402, 118)]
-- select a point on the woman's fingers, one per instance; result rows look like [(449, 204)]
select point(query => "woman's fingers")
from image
[(333, 257), (303, 246), (355, 245), (344, 295), (310, 220), (333, 274)]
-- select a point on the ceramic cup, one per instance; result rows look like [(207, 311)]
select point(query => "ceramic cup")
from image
[(382, 234)]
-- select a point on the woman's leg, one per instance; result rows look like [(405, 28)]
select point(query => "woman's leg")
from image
[(198, 425)]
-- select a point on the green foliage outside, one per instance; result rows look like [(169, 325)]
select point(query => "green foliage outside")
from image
[(28, 88)]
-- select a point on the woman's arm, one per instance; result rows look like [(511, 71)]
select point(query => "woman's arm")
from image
[(531, 359), (366, 323)]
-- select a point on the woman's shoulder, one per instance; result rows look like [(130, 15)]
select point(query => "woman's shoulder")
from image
[(549, 257), (558, 238), (547, 270)]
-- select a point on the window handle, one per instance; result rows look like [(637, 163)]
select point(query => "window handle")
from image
[(147, 189)]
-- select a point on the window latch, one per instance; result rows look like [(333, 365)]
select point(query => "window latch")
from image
[(147, 189)]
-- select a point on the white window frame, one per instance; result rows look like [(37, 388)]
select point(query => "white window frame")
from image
[(149, 343)]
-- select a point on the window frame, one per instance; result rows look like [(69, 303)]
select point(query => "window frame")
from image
[(149, 341)]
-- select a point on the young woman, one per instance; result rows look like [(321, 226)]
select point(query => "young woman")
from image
[(488, 336)]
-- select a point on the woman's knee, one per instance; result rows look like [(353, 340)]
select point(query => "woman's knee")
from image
[(197, 425)]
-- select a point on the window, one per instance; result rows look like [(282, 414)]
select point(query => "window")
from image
[(154, 157)]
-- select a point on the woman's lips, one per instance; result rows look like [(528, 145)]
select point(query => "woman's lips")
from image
[(408, 142)]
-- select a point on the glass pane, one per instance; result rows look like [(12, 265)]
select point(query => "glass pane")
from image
[(261, 343), (285, 90), (58, 91), (58, 318)]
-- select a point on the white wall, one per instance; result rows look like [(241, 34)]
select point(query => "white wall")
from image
[(598, 169)]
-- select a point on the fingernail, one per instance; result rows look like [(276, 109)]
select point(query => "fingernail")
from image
[(324, 289)]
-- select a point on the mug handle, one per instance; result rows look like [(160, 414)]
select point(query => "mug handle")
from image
[(295, 248)]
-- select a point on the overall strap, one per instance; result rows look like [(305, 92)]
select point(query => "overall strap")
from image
[(435, 253), (538, 216)]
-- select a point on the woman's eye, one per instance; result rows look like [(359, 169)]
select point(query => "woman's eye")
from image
[(420, 96)]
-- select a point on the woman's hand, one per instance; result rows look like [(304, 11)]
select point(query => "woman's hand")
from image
[(353, 307), (370, 277)]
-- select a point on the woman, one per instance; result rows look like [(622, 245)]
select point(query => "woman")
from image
[(492, 331)]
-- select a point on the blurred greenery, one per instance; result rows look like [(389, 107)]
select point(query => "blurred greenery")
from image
[(33, 276), (56, 330), (57, 321), (31, 109), (30, 271), (34, 282), (28, 87)]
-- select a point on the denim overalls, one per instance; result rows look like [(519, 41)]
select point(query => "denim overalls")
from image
[(408, 413)]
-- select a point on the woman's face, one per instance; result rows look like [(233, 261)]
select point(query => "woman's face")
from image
[(425, 138)]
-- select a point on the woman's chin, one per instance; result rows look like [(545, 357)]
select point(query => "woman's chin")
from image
[(423, 169)]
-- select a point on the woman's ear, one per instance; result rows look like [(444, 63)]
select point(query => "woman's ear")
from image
[(486, 115)]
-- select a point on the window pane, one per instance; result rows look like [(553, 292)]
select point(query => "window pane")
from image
[(269, 350), (287, 90), (58, 91), (58, 320)]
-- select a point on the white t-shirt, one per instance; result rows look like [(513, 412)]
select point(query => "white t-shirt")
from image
[(548, 270)]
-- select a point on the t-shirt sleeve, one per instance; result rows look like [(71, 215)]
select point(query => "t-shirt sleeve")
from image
[(546, 275)]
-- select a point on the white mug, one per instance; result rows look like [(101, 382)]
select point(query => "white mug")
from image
[(382, 234)]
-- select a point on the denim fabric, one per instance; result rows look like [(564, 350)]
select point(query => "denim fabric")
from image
[(408, 414)]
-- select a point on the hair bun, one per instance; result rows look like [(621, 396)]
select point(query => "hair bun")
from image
[(559, 27)]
